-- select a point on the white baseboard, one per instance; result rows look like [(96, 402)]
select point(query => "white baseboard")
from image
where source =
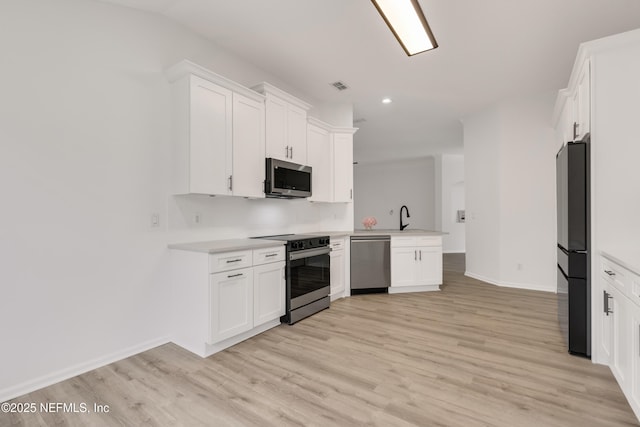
[(72, 371), (526, 286)]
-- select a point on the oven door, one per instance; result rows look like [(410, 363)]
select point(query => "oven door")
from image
[(309, 276)]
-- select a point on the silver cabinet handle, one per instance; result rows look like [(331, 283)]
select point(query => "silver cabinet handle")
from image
[(415, 255), (234, 275), (230, 182), (291, 152), (607, 309), (286, 152), (351, 194), (270, 255), (610, 273), (234, 260), (420, 254)]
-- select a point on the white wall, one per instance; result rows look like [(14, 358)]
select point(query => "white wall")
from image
[(85, 125), (452, 199), (380, 189), (510, 194)]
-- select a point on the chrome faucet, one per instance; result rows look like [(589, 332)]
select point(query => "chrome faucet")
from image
[(403, 226)]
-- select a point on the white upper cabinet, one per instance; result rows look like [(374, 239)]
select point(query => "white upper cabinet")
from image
[(203, 141), (248, 147), (330, 154), (286, 125), (319, 155), (573, 106), (218, 134), (582, 103), (343, 165)]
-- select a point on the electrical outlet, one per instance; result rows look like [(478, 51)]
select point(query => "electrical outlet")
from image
[(197, 218), (155, 219), (519, 266)]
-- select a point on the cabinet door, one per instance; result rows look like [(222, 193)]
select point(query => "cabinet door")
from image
[(343, 167), (268, 292), (297, 134), (404, 266), (230, 304), (337, 272), (429, 265), (635, 359), (606, 324), (319, 158), (248, 147), (620, 362), (276, 129), (210, 143), (583, 105)]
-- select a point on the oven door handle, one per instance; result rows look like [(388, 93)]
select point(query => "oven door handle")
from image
[(307, 253)]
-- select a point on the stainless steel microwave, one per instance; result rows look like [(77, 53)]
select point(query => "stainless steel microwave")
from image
[(287, 180)]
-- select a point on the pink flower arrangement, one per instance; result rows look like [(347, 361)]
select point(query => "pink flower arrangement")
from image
[(369, 222)]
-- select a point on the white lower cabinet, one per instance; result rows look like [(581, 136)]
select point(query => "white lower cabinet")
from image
[(268, 292), (606, 323), (404, 267), (223, 298), (620, 334), (338, 273), (635, 359), (620, 327), (416, 263), (231, 304)]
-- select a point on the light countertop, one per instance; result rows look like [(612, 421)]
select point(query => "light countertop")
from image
[(379, 231), (396, 232), (231, 245), (218, 246)]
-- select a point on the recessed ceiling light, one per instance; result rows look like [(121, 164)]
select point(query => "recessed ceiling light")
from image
[(387, 101), (407, 22)]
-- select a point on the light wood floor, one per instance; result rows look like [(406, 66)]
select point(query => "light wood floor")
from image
[(472, 354)]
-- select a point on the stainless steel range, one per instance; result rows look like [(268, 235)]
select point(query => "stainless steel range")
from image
[(307, 275)]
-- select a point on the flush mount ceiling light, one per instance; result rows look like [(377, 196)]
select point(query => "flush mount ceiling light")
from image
[(407, 22), (387, 101)]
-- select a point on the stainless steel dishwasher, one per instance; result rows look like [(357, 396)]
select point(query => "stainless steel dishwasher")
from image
[(370, 264)]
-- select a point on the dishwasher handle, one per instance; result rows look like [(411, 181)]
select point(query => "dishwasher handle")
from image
[(365, 239)]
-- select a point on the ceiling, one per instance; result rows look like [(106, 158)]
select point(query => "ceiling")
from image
[(489, 50)]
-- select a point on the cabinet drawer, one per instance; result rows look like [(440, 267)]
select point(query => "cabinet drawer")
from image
[(230, 261), (428, 241), (268, 255), (337, 244), (406, 241), (616, 276), (403, 241)]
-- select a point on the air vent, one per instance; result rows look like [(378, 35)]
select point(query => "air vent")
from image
[(340, 85), (361, 120)]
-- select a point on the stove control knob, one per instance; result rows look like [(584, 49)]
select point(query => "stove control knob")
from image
[(294, 245)]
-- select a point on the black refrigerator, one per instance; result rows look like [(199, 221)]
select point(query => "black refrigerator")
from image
[(574, 284)]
